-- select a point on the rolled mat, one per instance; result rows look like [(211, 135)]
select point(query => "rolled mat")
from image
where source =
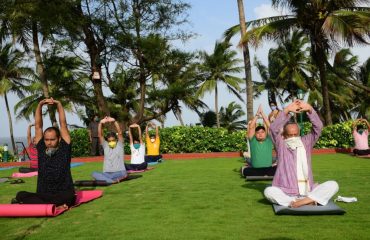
[(35, 173), (91, 183), (45, 210), (139, 171), (24, 175)]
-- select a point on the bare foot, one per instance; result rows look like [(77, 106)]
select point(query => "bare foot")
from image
[(62, 207), (302, 202)]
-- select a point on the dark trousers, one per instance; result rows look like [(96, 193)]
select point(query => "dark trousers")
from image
[(152, 158), (136, 167), (67, 197), (27, 170), (267, 171), (361, 152), (96, 148)]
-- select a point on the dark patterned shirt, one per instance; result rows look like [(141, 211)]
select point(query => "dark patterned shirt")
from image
[(54, 174)]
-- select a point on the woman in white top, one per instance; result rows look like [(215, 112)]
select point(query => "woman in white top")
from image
[(137, 147)]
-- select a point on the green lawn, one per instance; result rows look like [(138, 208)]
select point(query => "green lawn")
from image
[(198, 199)]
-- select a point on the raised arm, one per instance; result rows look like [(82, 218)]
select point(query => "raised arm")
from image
[(147, 130), (38, 119), (315, 120), (64, 133), (29, 137), (139, 131), (265, 120), (157, 132), (252, 127), (119, 131), (130, 134), (100, 130)]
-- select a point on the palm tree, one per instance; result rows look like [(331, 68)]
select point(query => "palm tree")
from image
[(28, 23), (68, 83), (247, 62), (289, 69), (362, 99), (218, 67), (326, 23), (229, 117), (12, 78)]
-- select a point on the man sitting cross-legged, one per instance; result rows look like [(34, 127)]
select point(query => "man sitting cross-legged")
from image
[(261, 146), (293, 183), (54, 182), (113, 168)]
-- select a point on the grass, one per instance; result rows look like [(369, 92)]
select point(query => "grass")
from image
[(197, 199)]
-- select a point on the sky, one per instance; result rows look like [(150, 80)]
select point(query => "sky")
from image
[(208, 19)]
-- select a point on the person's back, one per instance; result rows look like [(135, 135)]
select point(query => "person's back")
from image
[(360, 135)]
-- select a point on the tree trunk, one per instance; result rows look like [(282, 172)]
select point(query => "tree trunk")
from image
[(319, 56), (247, 63), (179, 117), (216, 107), (41, 71), (10, 124), (140, 58), (94, 54)]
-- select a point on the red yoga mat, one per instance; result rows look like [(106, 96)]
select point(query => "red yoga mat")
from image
[(45, 210)]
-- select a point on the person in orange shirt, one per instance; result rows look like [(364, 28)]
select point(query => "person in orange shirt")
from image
[(152, 144)]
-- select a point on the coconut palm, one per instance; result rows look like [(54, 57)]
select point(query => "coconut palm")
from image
[(229, 117), (326, 23), (13, 76), (247, 62), (289, 69), (219, 67), (68, 83), (362, 99)]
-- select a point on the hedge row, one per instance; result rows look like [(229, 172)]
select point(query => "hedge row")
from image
[(201, 139)]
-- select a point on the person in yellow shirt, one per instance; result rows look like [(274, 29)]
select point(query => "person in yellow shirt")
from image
[(152, 144)]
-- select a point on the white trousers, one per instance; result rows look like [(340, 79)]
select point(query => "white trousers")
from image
[(321, 194)]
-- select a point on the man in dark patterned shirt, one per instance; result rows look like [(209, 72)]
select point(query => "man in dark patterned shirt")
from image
[(54, 183)]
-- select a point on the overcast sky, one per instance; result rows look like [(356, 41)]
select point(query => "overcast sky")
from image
[(209, 19)]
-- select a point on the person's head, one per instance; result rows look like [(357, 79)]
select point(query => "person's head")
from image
[(360, 128), (260, 133), (136, 143), (152, 138), (111, 138), (273, 106), (291, 129), (52, 137)]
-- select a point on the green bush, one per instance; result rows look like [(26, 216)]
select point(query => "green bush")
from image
[(80, 142), (203, 139)]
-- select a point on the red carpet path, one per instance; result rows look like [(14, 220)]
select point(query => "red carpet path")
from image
[(181, 156)]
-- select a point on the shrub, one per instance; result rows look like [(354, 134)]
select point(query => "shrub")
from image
[(204, 139)]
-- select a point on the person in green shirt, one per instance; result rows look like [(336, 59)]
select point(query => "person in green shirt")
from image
[(261, 159)]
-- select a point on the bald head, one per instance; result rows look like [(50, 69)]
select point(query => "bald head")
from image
[(291, 130)]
